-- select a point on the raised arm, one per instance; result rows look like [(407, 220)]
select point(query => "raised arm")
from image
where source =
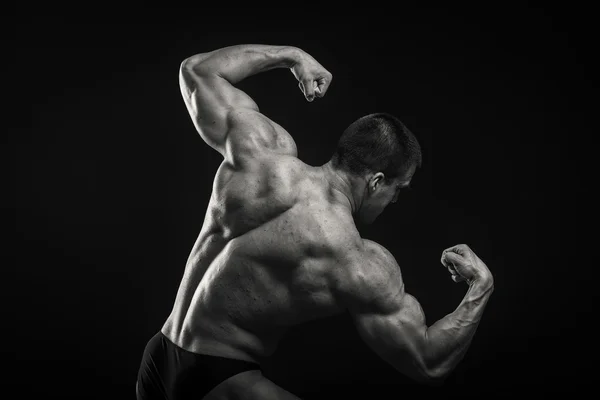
[(218, 108), (392, 321)]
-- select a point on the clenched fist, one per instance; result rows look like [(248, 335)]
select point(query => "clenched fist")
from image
[(313, 79), (464, 265)]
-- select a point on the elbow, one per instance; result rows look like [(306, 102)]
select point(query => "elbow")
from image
[(194, 64), (431, 375), (435, 376), (185, 65), (188, 66)]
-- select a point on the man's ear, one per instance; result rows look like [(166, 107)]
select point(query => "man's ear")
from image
[(376, 180)]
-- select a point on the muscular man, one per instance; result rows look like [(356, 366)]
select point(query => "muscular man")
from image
[(279, 245)]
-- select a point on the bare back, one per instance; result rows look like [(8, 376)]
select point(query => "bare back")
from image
[(265, 260), (279, 247)]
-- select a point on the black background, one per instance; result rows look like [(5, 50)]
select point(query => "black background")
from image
[(112, 182)]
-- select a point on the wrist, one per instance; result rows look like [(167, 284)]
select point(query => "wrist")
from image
[(484, 281), (291, 56)]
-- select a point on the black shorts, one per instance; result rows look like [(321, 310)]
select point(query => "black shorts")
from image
[(170, 372)]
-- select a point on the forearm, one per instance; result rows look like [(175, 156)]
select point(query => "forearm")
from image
[(235, 63), (448, 339)]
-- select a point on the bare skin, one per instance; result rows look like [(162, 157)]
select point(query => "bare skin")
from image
[(279, 245)]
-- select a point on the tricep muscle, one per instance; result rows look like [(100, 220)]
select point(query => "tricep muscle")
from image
[(396, 336), (228, 119), (210, 99), (389, 320)]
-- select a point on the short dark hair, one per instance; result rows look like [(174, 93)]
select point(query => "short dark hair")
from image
[(377, 142)]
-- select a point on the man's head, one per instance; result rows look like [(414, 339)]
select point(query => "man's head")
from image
[(379, 151)]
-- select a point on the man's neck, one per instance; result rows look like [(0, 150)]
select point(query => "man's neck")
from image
[(345, 185)]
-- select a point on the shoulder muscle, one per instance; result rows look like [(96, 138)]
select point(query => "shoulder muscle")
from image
[(252, 135), (373, 281)]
